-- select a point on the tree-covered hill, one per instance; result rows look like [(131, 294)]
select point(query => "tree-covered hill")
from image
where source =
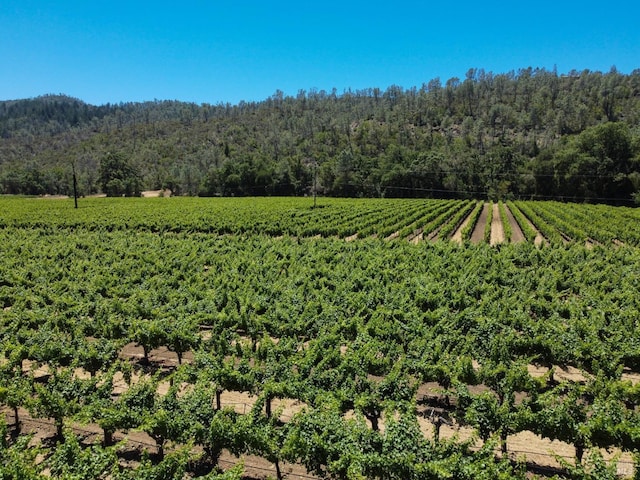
[(533, 133)]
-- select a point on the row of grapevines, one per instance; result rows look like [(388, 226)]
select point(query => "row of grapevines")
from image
[(428, 215), (506, 224), (341, 223), (376, 225), (488, 224), (607, 224), (403, 219), (272, 216), (454, 222), (545, 228), (597, 227), (528, 232), (555, 214), (473, 220)]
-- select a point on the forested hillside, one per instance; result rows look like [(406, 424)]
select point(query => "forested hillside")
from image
[(533, 133)]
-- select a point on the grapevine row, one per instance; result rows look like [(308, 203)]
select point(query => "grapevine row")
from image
[(473, 220)]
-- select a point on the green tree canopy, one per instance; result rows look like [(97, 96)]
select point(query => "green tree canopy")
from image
[(118, 177)]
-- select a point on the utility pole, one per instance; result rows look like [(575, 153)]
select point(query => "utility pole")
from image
[(313, 163), (75, 184), (315, 181)]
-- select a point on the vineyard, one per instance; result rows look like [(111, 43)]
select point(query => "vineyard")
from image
[(232, 338), (462, 221)]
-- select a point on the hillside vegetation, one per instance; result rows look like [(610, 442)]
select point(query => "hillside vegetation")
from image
[(531, 134)]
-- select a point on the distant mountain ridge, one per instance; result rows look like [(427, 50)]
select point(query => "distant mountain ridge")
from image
[(528, 134)]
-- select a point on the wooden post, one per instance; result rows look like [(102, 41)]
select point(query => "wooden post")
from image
[(315, 181), (75, 185)]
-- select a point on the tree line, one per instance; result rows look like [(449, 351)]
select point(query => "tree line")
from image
[(533, 133)]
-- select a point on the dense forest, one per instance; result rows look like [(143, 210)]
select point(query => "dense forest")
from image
[(530, 134)]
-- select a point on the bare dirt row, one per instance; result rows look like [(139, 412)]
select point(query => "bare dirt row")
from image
[(477, 235), (497, 229)]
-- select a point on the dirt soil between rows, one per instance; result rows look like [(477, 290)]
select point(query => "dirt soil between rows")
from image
[(477, 235), (497, 231), (457, 236)]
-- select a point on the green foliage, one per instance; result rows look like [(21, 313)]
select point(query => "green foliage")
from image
[(63, 396), (597, 163), (594, 468), (18, 459), (15, 391), (454, 222), (327, 444), (473, 220), (233, 473), (118, 177), (96, 356), (346, 333), (70, 461), (182, 336), (171, 467), (506, 225), (528, 232), (487, 226), (524, 134), (228, 430)]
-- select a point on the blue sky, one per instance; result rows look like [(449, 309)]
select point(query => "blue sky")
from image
[(228, 51)]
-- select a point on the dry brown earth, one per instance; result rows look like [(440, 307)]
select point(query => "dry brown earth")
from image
[(418, 238), (457, 235), (416, 233), (478, 232), (393, 236), (156, 193), (497, 230)]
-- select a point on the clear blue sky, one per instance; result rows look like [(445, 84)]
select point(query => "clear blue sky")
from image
[(227, 51)]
